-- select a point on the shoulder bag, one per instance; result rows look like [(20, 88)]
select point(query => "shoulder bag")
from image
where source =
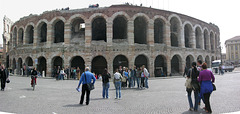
[(188, 81), (90, 86)]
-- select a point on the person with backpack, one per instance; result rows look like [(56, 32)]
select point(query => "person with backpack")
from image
[(117, 81), (105, 83), (193, 85)]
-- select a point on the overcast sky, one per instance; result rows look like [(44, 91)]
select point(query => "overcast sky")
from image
[(224, 13)]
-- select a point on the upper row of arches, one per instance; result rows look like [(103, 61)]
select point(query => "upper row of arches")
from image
[(180, 33)]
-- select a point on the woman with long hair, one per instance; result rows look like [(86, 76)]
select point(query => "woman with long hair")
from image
[(105, 83)]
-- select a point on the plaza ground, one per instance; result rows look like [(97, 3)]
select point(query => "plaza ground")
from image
[(165, 96)]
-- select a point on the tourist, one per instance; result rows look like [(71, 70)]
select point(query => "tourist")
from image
[(3, 77), (133, 75), (34, 75), (185, 71), (193, 74), (142, 79), (105, 83), (74, 73), (85, 79), (199, 64), (78, 73), (117, 82), (62, 73), (125, 75), (120, 70), (58, 72), (146, 75), (138, 76), (206, 78)]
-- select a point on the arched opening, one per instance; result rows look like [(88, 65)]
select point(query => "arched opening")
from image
[(158, 31), (141, 60), (189, 61), (14, 65), (160, 66), (14, 37), (20, 36), (176, 65), (29, 61), (175, 32), (120, 28), (99, 63), (206, 40), (200, 58), (99, 29), (78, 29), (187, 35), (57, 62), (198, 35), (29, 34), (207, 60), (212, 41), (42, 65), (59, 32), (120, 60), (78, 61), (19, 64), (42, 32), (140, 30)]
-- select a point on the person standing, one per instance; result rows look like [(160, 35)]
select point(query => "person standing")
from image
[(78, 73), (125, 75), (146, 75), (142, 79), (133, 75), (138, 76), (117, 81), (86, 78), (193, 74), (206, 78), (105, 83), (4, 76)]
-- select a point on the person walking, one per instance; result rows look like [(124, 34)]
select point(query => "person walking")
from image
[(138, 76), (146, 75), (78, 73), (86, 78), (206, 78), (3, 77), (193, 74), (105, 83), (117, 81)]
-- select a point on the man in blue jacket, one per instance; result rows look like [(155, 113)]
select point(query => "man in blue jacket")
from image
[(85, 79)]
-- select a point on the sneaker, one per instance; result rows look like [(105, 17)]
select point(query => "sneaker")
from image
[(119, 98), (191, 109)]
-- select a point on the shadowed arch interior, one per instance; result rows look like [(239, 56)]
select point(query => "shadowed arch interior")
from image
[(175, 65), (29, 34), (78, 61), (78, 28), (120, 60), (20, 36), (120, 28), (141, 60), (42, 65), (29, 61), (99, 29), (189, 60), (187, 35), (140, 30), (175, 29), (198, 35), (43, 32), (158, 31), (57, 62), (99, 63), (59, 32), (160, 66)]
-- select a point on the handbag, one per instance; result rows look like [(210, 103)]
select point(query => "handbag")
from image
[(90, 86), (8, 80), (214, 87), (188, 81)]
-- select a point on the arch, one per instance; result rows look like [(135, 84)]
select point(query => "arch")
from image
[(56, 19), (29, 61), (120, 60), (97, 15), (42, 31), (189, 60), (206, 39), (188, 29), (200, 58), (207, 60), (160, 66), (176, 64), (175, 29), (120, 13), (77, 28), (140, 30), (77, 61), (99, 29), (159, 30), (175, 16), (19, 66), (198, 36), (141, 15), (20, 35), (120, 27), (42, 65), (29, 33), (57, 62), (212, 40), (141, 60), (99, 63), (76, 16)]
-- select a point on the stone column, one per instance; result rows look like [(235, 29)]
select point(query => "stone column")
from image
[(25, 40), (182, 66), (150, 33), (67, 33), (151, 67), (193, 40), (109, 33), (208, 40), (167, 35), (130, 33), (202, 43), (35, 37), (88, 33), (168, 59), (181, 42), (49, 67), (50, 33)]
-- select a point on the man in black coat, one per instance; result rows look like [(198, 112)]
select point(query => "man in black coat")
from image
[(4, 77)]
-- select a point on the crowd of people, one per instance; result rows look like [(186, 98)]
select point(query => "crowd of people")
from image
[(201, 83)]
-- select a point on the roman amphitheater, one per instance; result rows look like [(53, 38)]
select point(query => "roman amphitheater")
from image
[(108, 37)]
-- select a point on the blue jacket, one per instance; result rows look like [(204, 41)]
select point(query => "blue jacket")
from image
[(89, 77)]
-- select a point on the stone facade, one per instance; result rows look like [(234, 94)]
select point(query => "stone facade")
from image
[(232, 50), (108, 37)]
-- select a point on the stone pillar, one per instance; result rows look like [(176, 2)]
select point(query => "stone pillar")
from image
[(150, 33), (50, 33), (130, 33), (193, 39), (88, 33), (109, 33), (151, 67), (49, 67), (67, 33), (35, 37), (168, 59), (181, 42), (202, 43), (167, 35), (182, 66)]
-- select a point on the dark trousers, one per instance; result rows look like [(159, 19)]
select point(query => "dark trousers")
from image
[(142, 81), (85, 90), (3, 82), (207, 101)]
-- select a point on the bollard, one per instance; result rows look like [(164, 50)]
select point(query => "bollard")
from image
[(43, 73)]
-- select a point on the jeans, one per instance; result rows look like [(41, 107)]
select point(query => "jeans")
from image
[(105, 89), (130, 82), (196, 96), (118, 89), (85, 90), (146, 82), (61, 77), (133, 81), (138, 82)]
